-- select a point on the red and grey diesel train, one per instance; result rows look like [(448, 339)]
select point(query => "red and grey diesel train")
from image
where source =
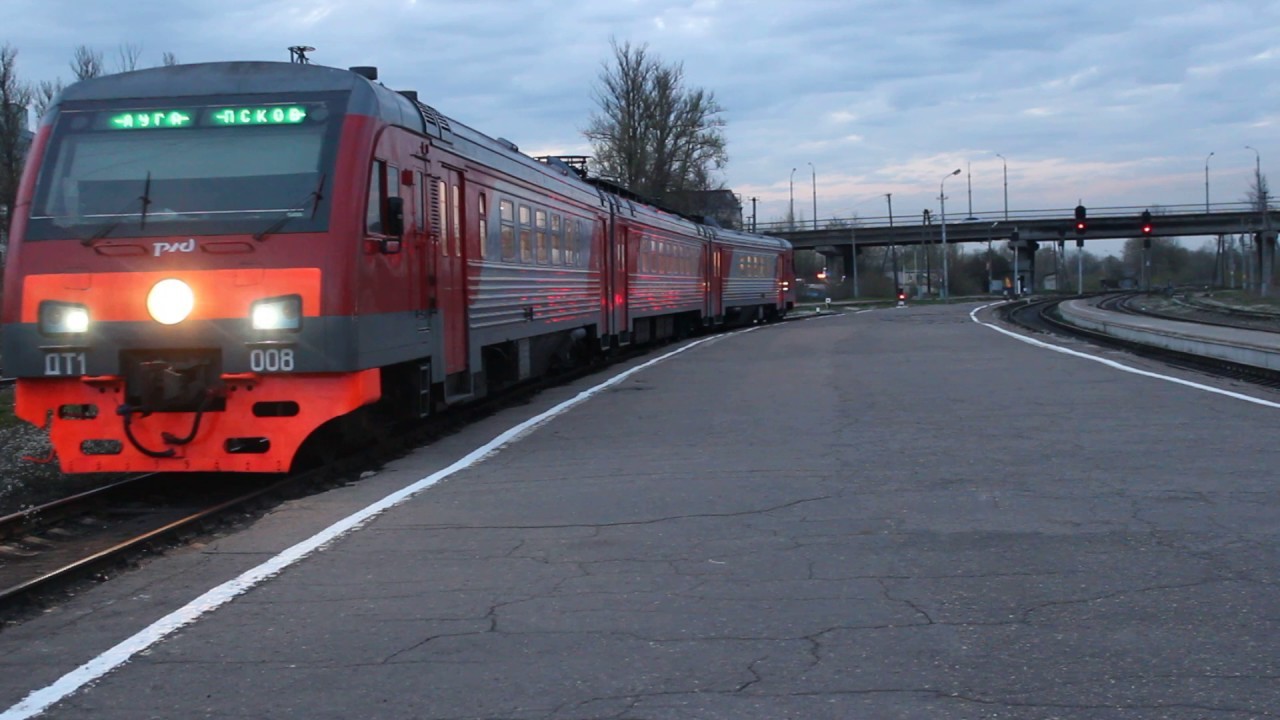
[(211, 263)]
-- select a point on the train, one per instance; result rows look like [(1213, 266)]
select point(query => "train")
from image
[(212, 264)]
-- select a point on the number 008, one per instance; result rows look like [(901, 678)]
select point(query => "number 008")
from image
[(271, 360)]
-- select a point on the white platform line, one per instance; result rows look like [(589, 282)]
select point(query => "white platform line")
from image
[(40, 700), (1112, 363)]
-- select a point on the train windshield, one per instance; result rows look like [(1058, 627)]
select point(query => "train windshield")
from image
[(220, 166)]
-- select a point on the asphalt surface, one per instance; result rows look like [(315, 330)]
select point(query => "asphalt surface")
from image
[(894, 514)]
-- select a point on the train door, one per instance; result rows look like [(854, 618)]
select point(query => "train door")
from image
[(604, 231), (613, 268), (715, 285), (385, 276), (621, 284), (451, 278), (420, 251), (705, 250)]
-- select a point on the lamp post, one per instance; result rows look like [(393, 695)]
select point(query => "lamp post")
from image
[(1219, 265), (1257, 163), (791, 212), (893, 245), (1264, 257), (990, 277), (1005, 164), (968, 177), (942, 198), (815, 195), (1206, 182)]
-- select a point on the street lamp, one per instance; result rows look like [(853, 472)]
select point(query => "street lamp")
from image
[(1257, 167), (893, 244), (1206, 182), (791, 216), (815, 195), (1005, 164), (1264, 271), (942, 197)]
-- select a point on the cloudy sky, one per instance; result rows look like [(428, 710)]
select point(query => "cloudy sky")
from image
[(1107, 103)]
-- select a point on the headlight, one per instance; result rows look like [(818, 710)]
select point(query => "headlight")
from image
[(281, 313), (59, 318), (170, 301)]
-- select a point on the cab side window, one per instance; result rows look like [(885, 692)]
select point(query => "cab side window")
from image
[(375, 210), (384, 182)]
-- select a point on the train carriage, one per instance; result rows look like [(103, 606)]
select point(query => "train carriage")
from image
[(755, 276), (212, 263)]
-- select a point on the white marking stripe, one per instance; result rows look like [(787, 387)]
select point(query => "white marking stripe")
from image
[(40, 700), (1111, 363)]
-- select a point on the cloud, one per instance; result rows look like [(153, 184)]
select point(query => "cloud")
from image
[(1117, 102)]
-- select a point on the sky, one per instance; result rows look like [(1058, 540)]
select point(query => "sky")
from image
[(1103, 103)]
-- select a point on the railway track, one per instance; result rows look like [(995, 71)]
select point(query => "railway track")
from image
[(1185, 310), (1042, 316), (46, 549)]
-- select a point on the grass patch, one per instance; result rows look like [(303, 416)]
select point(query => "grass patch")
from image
[(1243, 299), (7, 418)]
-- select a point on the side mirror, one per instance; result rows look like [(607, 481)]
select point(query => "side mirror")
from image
[(394, 224)]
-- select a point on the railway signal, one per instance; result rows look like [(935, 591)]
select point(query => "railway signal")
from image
[(1147, 227), (1082, 223)]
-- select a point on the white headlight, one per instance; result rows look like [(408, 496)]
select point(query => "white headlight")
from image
[(77, 320), (267, 317), (281, 313), (57, 318), (170, 301)]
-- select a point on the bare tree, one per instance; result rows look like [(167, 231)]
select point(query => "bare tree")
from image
[(127, 55), (1262, 259), (45, 93), (652, 134), (15, 96), (169, 59), (86, 63), (1259, 193)]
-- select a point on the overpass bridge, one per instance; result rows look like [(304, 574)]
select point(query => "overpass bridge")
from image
[(1033, 228), (1040, 226)]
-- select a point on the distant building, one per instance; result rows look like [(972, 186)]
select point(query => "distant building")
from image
[(722, 206)]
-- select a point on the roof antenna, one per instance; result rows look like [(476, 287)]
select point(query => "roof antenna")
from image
[(298, 54)]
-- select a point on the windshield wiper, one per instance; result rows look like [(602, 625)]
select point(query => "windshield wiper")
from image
[(315, 196), (106, 230)]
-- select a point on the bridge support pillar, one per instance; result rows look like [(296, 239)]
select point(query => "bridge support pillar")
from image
[(1025, 263), (1266, 258), (849, 261)]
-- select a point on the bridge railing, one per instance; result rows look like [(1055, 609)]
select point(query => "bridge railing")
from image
[(1012, 217)]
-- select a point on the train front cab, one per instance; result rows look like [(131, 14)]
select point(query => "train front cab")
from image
[(186, 306), (126, 395)]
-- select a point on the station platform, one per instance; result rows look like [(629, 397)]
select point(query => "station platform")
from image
[(1255, 348), (872, 515)]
